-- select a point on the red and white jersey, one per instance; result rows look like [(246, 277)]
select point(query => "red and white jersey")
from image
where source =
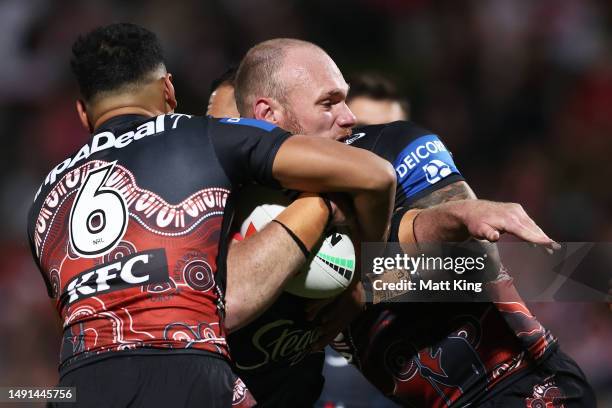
[(129, 234)]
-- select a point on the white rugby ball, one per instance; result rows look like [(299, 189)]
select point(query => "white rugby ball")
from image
[(331, 269)]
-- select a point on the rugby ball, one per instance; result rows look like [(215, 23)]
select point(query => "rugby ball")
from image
[(329, 271)]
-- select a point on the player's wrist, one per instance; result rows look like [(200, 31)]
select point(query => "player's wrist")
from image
[(307, 218), (444, 222), (296, 239), (407, 232)]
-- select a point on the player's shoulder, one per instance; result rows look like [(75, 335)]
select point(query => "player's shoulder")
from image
[(219, 128), (389, 139), (399, 130), (238, 124), (406, 130)]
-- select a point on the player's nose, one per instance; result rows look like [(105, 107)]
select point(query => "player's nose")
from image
[(346, 118)]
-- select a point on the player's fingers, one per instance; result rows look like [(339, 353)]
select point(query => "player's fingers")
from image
[(548, 244), (520, 216), (530, 225), (490, 233), (527, 234), (531, 234), (485, 231)]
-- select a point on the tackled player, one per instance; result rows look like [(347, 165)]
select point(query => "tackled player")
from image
[(483, 351)]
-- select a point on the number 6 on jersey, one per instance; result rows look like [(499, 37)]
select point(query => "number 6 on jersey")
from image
[(99, 216)]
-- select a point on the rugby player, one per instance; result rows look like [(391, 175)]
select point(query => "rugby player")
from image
[(374, 99), (222, 103), (418, 354), (129, 231)]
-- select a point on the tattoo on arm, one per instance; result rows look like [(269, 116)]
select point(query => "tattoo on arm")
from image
[(459, 190)]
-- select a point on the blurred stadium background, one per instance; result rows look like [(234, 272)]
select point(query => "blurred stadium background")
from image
[(520, 90)]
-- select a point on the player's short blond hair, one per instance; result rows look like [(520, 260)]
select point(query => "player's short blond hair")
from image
[(257, 74)]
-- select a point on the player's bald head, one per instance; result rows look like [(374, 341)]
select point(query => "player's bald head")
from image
[(272, 68)]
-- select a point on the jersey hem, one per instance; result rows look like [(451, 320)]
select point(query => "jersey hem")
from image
[(67, 367)]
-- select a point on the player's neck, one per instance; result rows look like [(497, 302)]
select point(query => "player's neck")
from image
[(147, 101), (124, 110)]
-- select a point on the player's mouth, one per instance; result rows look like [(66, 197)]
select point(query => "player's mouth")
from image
[(345, 134)]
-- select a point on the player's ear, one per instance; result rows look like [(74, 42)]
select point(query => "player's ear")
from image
[(169, 94), (81, 108), (267, 109)]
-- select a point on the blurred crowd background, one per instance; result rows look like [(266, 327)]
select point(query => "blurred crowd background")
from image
[(520, 90)]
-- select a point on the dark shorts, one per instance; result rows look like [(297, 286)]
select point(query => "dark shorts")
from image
[(181, 380), (556, 382), (296, 386)]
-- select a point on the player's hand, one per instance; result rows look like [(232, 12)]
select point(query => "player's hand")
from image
[(339, 314), (488, 220)]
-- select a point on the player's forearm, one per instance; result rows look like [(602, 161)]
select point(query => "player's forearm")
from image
[(439, 223), (311, 164), (459, 190), (259, 266), (435, 223), (307, 217), (256, 274), (373, 229)]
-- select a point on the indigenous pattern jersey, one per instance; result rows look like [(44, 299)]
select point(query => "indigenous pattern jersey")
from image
[(273, 352), (438, 354), (129, 234)]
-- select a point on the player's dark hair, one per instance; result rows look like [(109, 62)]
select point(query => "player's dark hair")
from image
[(113, 56), (227, 77), (376, 86)]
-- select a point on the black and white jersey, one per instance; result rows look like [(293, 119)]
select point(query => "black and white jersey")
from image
[(421, 160), (272, 354)]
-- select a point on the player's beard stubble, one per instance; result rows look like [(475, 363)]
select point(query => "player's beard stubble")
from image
[(292, 124)]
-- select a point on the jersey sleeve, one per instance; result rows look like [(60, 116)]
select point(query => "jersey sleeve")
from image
[(422, 162), (246, 149)]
